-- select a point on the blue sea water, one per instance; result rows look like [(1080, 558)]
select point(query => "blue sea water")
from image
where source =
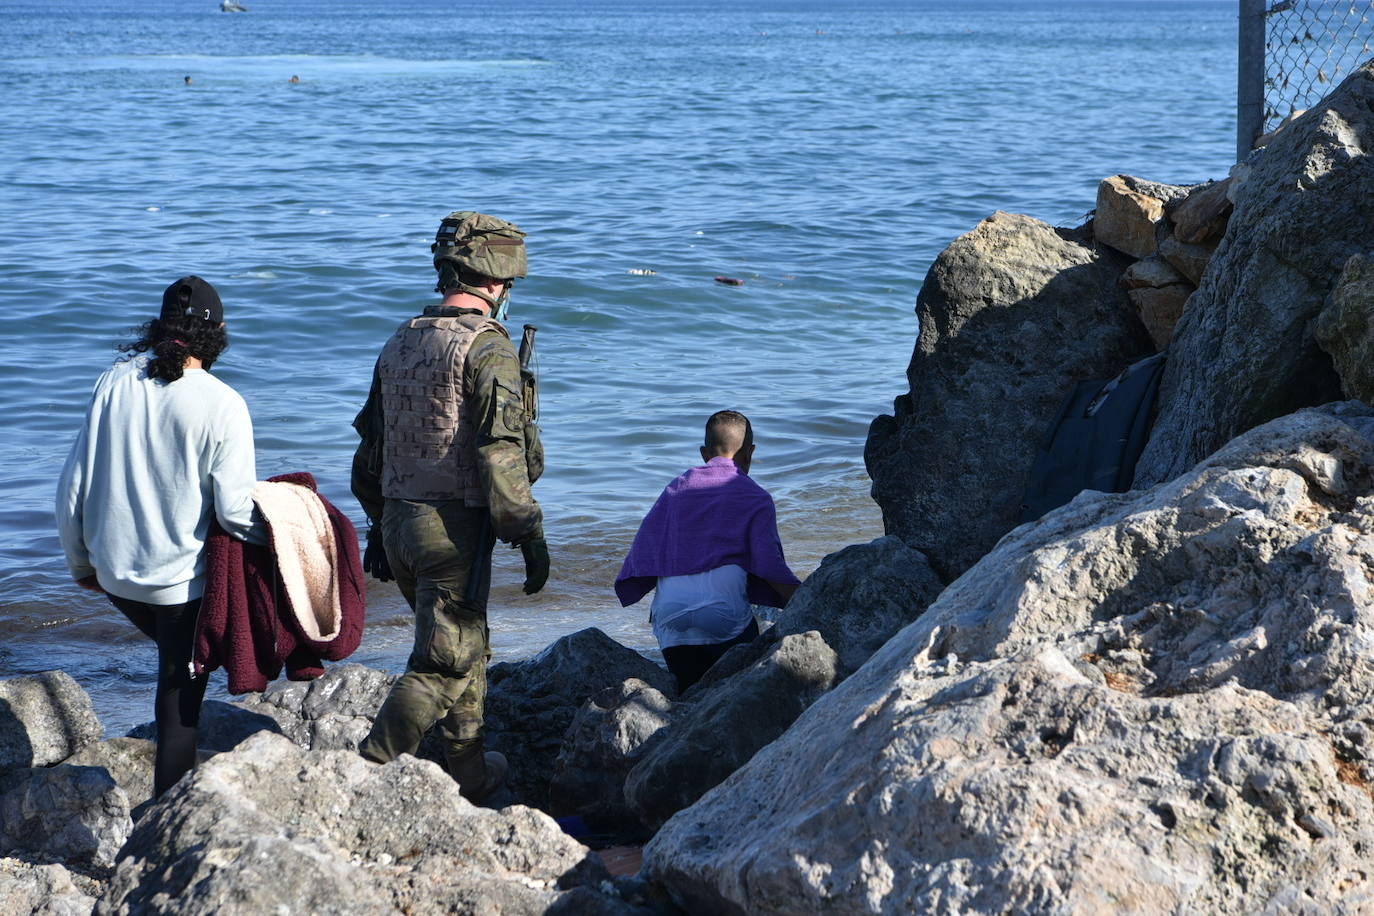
[(823, 152)]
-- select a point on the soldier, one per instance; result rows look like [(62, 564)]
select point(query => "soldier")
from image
[(448, 453)]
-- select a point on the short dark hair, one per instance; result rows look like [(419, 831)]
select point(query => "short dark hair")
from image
[(728, 431)]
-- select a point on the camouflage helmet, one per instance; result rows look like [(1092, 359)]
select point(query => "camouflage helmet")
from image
[(482, 244)]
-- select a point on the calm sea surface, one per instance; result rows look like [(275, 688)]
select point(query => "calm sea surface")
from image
[(823, 152)]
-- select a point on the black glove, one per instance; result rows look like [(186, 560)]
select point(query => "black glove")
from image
[(374, 558), (536, 551)]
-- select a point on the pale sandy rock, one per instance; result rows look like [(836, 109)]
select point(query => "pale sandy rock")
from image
[(44, 718), (1126, 219), (1160, 309), (1012, 315), (1189, 260), (1151, 273), (1203, 214), (338, 835), (1162, 697), (1345, 327)]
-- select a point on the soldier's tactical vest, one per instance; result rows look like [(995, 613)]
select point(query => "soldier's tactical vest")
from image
[(429, 451)]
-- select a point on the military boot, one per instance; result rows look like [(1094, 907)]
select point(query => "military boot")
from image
[(478, 772)]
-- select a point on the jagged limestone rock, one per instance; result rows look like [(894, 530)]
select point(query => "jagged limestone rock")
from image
[(337, 834), (223, 726), (332, 712), (27, 889)]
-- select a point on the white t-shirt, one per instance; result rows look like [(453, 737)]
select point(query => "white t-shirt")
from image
[(701, 609), (152, 463)]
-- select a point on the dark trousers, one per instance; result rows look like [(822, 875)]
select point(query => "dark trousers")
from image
[(689, 663), (179, 694)]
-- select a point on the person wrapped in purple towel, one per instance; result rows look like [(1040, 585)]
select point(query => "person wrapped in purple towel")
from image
[(708, 549)]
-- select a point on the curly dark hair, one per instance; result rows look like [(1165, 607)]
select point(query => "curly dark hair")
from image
[(171, 340)]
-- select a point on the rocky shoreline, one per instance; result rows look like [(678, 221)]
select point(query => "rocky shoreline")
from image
[(1147, 701)]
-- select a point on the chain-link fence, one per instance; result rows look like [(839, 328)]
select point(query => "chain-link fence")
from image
[(1305, 47)]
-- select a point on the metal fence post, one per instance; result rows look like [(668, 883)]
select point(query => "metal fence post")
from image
[(1250, 77)]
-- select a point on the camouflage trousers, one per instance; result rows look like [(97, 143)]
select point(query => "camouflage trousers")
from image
[(434, 549)]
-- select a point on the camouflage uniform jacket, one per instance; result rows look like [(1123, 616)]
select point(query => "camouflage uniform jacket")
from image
[(468, 442)]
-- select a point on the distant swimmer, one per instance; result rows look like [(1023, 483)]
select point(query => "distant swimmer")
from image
[(187, 80), (294, 79), (231, 6)]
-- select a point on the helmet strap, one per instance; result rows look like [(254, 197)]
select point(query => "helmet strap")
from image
[(499, 305)]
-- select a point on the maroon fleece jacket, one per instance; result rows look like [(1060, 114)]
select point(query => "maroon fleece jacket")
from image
[(247, 625)]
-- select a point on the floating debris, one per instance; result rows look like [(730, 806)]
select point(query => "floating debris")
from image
[(730, 281), (642, 272)]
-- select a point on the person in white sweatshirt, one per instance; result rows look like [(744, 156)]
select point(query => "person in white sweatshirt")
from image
[(164, 446)]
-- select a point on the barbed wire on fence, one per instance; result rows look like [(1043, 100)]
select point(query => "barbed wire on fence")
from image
[(1310, 45)]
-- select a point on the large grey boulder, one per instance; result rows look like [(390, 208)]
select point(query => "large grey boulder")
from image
[(71, 814), (728, 724), (1162, 697), (332, 712), (40, 890), (129, 761), (1012, 315), (270, 827), (859, 596), (531, 703), (43, 719), (1023, 787), (1245, 351), (608, 737)]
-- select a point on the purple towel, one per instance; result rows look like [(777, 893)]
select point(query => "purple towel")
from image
[(710, 516)]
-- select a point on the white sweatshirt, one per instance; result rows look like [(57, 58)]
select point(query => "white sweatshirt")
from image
[(151, 463)]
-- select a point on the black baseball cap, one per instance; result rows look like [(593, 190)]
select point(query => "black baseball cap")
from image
[(192, 296)]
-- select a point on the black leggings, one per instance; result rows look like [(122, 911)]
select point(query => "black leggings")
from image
[(689, 663), (179, 694)]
